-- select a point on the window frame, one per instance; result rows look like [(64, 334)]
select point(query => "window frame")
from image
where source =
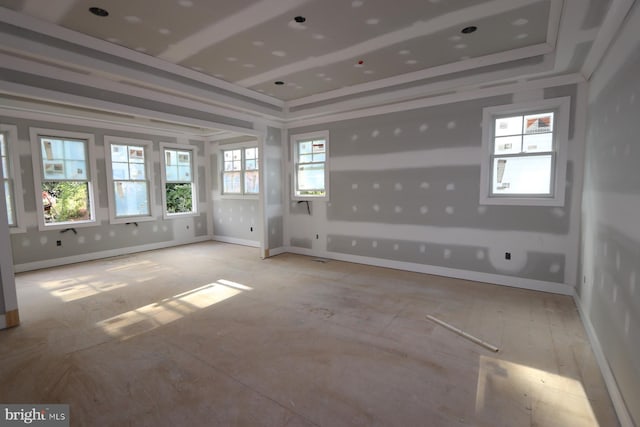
[(242, 147), (295, 141), (194, 180), (561, 109), (148, 164), (38, 175), (15, 175)]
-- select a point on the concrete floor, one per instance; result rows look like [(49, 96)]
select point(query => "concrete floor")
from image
[(209, 334)]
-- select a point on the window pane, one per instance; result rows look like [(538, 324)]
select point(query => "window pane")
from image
[(54, 169), (508, 126), (75, 169), (250, 153), (170, 158), (251, 164), (65, 202), (320, 157), (237, 154), (318, 147), (228, 166), (184, 158), (537, 143), (120, 171), (508, 145), (136, 171), (131, 198), (118, 153), (179, 197), (237, 165), (74, 150), (184, 173), (172, 173), (310, 177), (231, 182), (306, 158), (136, 154), (251, 183), (52, 149), (304, 147), (9, 200), (529, 175), (5, 167), (538, 123), (228, 156)]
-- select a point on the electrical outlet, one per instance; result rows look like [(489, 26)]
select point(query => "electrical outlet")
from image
[(507, 255), (58, 242), (317, 237), (251, 228)]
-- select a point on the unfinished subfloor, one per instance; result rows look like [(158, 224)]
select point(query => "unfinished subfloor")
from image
[(210, 335)]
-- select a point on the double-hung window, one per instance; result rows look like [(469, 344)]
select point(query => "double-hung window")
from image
[(311, 165), (525, 148), (179, 186), (240, 171), (129, 179), (7, 178), (64, 186)]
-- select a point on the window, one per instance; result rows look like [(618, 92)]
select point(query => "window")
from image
[(525, 153), (240, 174), (128, 178), (178, 180), (311, 161), (11, 177), (7, 181), (63, 181)]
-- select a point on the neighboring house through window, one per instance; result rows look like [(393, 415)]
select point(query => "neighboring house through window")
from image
[(525, 153), (311, 165)]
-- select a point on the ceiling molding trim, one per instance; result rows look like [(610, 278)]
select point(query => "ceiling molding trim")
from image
[(24, 21), (439, 100), (610, 28)]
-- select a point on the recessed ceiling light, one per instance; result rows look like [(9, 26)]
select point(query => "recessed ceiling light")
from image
[(98, 12), (468, 30), (278, 82), (300, 19)]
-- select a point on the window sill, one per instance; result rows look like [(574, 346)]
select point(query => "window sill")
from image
[(179, 215), (240, 196), (521, 201), (66, 225), (122, 220)]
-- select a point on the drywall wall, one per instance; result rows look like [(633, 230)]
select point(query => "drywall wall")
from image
[(236, 219), (273, 189), (34, 248), (404, 190), (608, 292)]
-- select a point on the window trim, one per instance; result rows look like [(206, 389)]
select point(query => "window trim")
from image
[(36, 156), (11, 133), (195, 211), (242, 146), (561, 108), (294, 142), (148, 147)]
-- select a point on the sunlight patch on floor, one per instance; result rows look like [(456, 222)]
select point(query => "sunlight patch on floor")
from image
[(168, 310), (530, 396)]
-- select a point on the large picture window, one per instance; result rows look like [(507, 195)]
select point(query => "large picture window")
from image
[(525, 148), (240, 171), (310, 174), (178, 180), (128, 176), (64, 181)]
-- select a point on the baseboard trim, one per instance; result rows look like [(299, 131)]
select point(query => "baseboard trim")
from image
[(494, 279), (236, 241), (36, 265), (624, 417), (277, 251)]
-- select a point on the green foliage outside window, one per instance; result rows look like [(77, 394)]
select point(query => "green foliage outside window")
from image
[(65, 201), (179, 198)]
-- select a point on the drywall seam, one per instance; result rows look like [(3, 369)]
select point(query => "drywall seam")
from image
[(612, 386)]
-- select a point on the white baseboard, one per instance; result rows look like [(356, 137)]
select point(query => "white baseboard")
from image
[(235, 241), (277, 251), (612, 386), (495, 279), (36, 265)]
